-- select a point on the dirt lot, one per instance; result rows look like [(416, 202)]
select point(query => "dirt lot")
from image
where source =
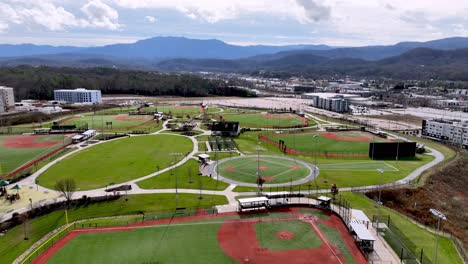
[(445, 190)]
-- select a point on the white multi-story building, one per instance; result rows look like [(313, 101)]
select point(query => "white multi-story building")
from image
[(329, 101), (7, 98), (453, 131), (79, 95)]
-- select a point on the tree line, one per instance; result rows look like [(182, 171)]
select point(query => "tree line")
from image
[(40, 82)]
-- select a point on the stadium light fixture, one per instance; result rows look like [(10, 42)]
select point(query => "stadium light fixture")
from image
[(440, 216)]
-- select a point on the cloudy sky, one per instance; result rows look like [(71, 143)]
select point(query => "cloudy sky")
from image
[(276, 22)]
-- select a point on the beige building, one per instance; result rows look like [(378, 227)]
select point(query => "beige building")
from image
[(7, 98)]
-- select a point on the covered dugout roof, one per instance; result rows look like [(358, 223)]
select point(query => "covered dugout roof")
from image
[(324, 198), (359, 215), (253, 200), (362, 232)]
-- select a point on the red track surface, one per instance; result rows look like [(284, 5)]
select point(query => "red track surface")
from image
[(28, 142), (237, 238)]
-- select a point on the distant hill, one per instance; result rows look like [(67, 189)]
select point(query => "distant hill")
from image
[(160, 48), (417, 63)]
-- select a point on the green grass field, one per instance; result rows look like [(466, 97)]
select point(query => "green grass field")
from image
[(117, 161), (158, 244), (272, 169), (264, 120), (122, 122), (13, 157), (176, 110), (324, 144), (187, 178), (12, 244)]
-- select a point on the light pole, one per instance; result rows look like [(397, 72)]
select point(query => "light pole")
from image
[(440, 216), (379, 203), (258, 149), (315, 137), (175, 155)]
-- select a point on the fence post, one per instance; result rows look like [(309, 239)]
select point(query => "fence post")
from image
[(401, 255), (421, 256)]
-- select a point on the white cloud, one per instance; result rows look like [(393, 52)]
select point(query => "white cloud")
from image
[(151, 19), (101, 15), (213, 11), (54, 17)]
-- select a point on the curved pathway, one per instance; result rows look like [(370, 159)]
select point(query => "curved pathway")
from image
[(228, 193)]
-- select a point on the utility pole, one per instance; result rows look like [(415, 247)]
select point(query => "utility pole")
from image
[(175, 155)]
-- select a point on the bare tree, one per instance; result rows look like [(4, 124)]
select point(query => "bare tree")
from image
[(67, 187)]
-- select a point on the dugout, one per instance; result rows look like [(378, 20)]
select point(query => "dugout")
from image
[(253, 203), (384, 150), (324, 202), (363, 236)]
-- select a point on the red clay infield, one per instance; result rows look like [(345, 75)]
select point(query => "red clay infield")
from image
[(294, 167), (285, 235), (230, 168), (27, 142), (238, 239), (129, 118), (268, 179), (263, 168)]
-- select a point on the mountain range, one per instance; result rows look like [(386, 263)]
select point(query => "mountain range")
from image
[(443, 58)]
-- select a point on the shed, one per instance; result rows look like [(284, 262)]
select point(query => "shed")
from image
[(324, 202), (203, 158)]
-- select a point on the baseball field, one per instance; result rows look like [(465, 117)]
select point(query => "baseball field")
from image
[(298, 235), (17, 150), (109, 122), (342, 143), (283, 120)]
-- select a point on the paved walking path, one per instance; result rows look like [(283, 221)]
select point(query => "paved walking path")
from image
[(228, 193)]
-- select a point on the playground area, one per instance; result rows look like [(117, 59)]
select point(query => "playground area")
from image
[(284, 235), (326, 144), (266, 120), (272, 169), (18, 150)]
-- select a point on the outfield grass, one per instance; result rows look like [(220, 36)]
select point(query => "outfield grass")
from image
[(117, 161), (304, 236), (175, 110), (158, 244), (262, 120), (99, 122), (274, 169), (334, 237), (414, 233), (12, 243), (12, 158), (167, 179)]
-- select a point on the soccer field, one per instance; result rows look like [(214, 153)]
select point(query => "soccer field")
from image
[(20, 149), (266, 120), (289, 235), (272, 169), (117, 161)]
